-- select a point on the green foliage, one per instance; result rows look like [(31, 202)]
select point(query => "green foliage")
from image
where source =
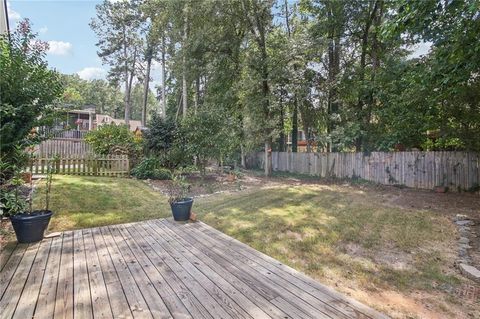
[(448, 77), (28, 88), (11, 201), (111, 138), (150, 168), (207, 135), (160, 136), (107, 98), (178, 189), (341, 71)]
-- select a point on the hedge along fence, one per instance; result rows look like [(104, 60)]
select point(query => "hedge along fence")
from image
[(460, 171), (111, 165)]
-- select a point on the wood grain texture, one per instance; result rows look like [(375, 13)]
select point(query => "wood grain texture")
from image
[(160, 269)]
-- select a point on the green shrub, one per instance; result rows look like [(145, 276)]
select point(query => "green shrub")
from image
[(162, 174), (150, 167), (28, 92), (111, 138)]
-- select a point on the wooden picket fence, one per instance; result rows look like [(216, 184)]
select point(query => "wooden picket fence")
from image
[(112, 165), (459, 171), (64, 147)]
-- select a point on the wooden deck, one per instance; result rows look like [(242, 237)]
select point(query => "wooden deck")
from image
[(159, 269)]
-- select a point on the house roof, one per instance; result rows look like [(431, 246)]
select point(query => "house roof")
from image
[(106, 119)]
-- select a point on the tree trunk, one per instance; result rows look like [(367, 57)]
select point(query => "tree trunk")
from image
[(242, 156), (127, 87), (295, 106), (363, 62), (333, 70), (163, 111), (146, 87), (184, 73), (268, 157), (295, 126), (281, 138), (197, 94)]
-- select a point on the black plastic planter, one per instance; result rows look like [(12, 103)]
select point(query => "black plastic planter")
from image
[(29, 227), (181, 210)]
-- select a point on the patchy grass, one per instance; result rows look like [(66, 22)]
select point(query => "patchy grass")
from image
[(312, 228), (81, 202)]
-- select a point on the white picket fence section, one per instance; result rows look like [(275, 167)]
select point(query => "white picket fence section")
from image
[(457, 170)]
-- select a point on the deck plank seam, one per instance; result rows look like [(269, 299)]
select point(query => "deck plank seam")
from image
[(103, 231), (13, 272), (98, 236), (101, 272), (136, 279), (358, 307), (26, 278), (8, 257), (123, 232), (211, 299), (265, 279), (284, 284), (209, 266), (132, 229), (208, 278), (326, 303), (43, 277)]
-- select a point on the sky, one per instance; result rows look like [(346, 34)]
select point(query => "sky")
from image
[(64, 25)]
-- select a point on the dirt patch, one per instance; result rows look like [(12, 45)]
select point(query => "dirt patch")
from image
[(212, 183), (386, 256)]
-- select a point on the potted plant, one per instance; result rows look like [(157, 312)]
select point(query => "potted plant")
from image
[(178, 198), (30, 225)]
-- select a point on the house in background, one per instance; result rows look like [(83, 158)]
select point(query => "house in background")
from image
[(4, 27), (76, 123), (102, 119), (301, 142)]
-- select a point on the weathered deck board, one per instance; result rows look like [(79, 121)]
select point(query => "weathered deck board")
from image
[(159, 269)]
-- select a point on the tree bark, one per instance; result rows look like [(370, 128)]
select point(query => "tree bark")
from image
[(127, 88), (281, 138), (333, 70), (197, 94), (146, 87), (242, 156), (295, 106), (184, 73), (268, 157), (295, 126), (163, 110), (363, 62)]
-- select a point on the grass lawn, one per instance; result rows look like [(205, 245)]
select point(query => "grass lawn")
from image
[(81, 202), (396, 259)]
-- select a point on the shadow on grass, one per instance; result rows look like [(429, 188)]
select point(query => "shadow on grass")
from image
[(309, 227), (80, 202)]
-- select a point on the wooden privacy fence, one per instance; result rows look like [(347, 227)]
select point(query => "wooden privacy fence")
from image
[(457, 170), (64, 147), (112, 165)]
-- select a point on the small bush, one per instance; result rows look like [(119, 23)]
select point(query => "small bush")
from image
[(150, 167), (162, 174), (111, 138)]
